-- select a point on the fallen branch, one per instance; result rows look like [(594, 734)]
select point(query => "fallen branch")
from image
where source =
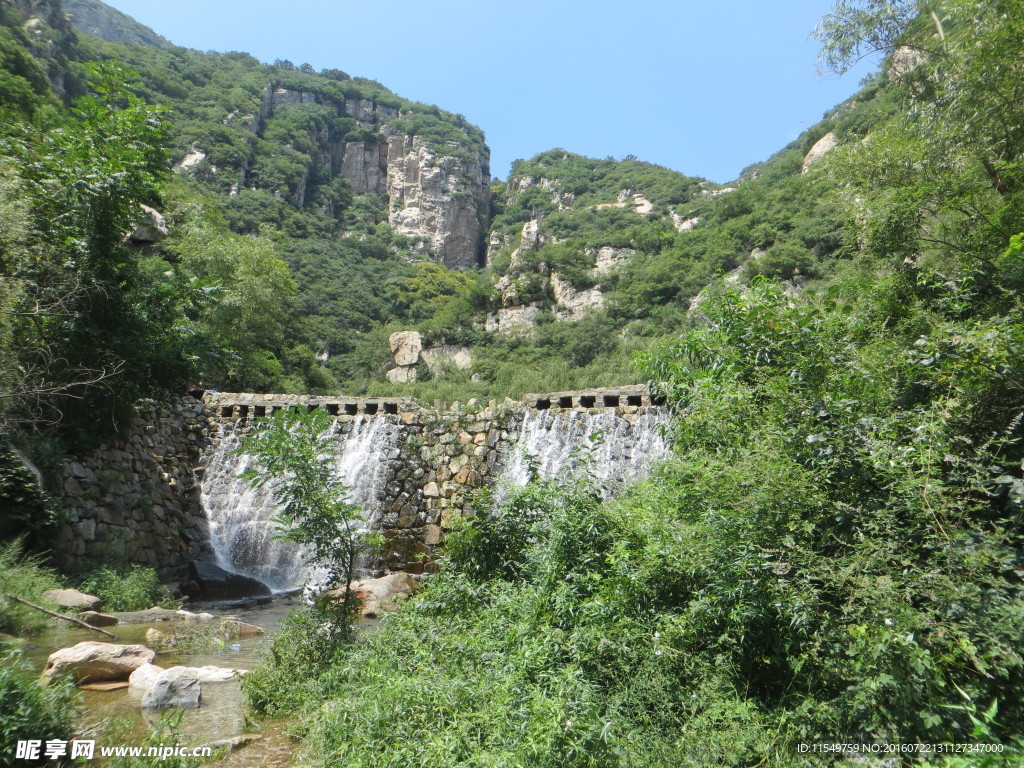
[(48, 612)]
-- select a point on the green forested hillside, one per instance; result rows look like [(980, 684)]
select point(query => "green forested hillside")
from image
[(275, 267), (318, 278), (833, 554)]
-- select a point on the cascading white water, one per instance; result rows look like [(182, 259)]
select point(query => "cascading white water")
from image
[(608, 447), (242, 532)]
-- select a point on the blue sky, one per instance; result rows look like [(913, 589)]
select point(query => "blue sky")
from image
[(705, 88)]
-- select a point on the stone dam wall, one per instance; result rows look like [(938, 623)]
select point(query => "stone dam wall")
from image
[(139, 497)]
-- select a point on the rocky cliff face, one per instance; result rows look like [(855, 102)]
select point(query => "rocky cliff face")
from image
[(442, 200), (106, 23), (436, 195)]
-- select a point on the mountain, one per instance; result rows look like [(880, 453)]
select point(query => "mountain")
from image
[(99, 19)]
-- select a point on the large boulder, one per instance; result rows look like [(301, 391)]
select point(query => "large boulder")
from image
[(406, 347), (73, 599), (381, 595), (151, 229), (92, 662), (404, 374), (175, 687), (146, 677), (215, 583)]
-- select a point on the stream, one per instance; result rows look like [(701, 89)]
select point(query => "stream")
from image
[(221, 714)]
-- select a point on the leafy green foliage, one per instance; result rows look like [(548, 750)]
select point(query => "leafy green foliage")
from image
[(92, 329), (295, 450), (850, 488), (30, 710), (295, 674), (129, 588), (27, 509), (23, 576)]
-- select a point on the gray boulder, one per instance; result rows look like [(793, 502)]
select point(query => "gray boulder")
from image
[(215, 583), (175, 687)]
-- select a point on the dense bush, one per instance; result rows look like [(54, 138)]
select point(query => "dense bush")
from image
[(296, 672), (30, 710), (26, 577), (128, 588)]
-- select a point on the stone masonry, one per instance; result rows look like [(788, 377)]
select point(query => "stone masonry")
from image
[(139, 496), (136, 497)]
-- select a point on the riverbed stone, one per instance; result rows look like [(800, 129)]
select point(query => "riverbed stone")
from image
[(175, 687), (94, 619), (144, 678), (215, 583), (110, 685), (384, 594), (90, 662), (72, 598), (241, 629)]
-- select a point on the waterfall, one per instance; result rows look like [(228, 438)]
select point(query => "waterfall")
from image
[(611, 449), (241, 527)]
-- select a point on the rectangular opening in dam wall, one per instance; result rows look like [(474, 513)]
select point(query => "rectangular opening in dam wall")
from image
[(543, 404), (565, 401), (370, 409), (637, 400), (225, 412), (587, 401), (312, 406), (351, 409), (259, 410), (243, 411), (332, 408), (391, 408), (611, 401)]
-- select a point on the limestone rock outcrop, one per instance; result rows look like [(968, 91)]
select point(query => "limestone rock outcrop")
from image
[(821, 147), (90, 662), (406, 347), (437, 195), (437, 358), (151, 229), (905, 60), (573, 303), (441, 200)]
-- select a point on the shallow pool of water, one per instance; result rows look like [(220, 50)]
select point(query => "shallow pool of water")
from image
[(220, 715)]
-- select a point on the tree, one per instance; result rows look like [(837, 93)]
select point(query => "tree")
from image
[(943, 186), (244, 294), (91, 328), (295, 450)]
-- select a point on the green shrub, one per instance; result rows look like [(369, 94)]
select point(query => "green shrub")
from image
[(129, 588), (293, 676), (26, 577), (29, 710)]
